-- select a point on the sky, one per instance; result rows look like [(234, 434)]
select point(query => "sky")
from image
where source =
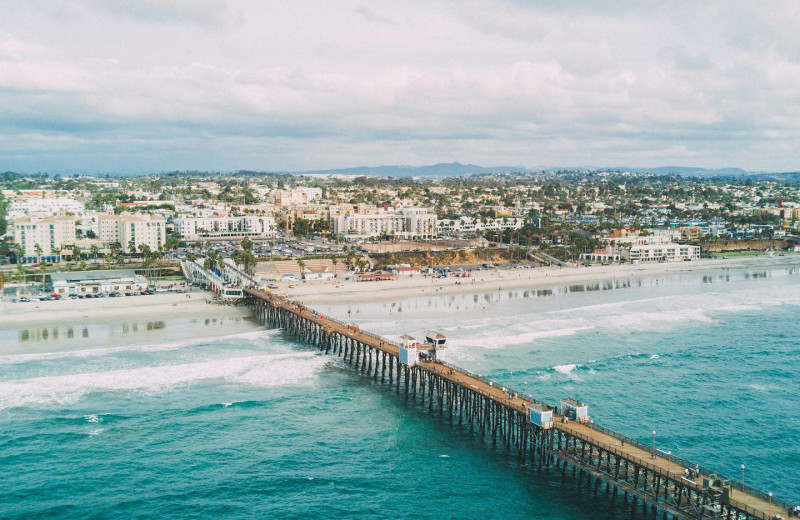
[(159, 85)]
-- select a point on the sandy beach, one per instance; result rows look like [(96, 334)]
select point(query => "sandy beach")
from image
[(153, 307), (198, 303), (349, 291)]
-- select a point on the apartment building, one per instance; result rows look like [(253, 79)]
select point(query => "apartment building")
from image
[(50, 206), (473, 225), (225, 227), (302, 195), (310, 212), (51, 234), (661, 253), (406, 223), (146, 229)]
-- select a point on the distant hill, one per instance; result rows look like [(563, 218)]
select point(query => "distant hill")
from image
[(453, 169)]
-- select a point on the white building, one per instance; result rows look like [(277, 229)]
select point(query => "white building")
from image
[(474, 225), (225, 228), (301, 195), (52, 206), (149, 230), (661, 253), (51, 234), (406, 223), (95, 282)]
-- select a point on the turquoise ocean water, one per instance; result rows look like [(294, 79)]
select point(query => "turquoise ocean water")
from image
[(107, 422)]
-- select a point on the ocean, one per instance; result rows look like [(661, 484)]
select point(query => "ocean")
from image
[(224, 419)]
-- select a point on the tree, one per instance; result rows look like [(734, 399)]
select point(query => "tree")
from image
[(39, 252), (76, 253), (249, 262), (247, 244), (334, 261), (236, 256), (171, 243), (95, 250), (302, 266)]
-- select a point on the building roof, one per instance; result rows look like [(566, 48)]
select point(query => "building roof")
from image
[(435, 335), (572, 402), (84, 276)]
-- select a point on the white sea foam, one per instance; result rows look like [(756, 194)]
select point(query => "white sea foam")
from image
[(97, 431), (262, 370), (500, 341), (158, 347), (93, 418), (654, 356), (565, 369)]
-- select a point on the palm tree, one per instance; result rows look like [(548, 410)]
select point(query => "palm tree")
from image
[(302, 266), (76, 253), (362, 264), (247, 244), (334, 261), (95, 250), (39, 252), (191, 257), (236, 256), (249, 262)]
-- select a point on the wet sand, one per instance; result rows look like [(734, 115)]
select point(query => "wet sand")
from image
[(350, 291), (156, 307)]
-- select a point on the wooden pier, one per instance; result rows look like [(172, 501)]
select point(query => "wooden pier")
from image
[(612, 462)]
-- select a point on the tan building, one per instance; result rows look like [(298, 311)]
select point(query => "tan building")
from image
[(141, 229), (51, 234)]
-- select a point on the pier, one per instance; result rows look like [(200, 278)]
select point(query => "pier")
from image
[(541, 434)]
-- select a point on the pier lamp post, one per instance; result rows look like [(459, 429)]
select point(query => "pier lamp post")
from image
[(770, 504), (654, 444), (742, 478)]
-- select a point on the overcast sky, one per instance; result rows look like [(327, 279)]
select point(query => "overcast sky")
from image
[(153, 85)]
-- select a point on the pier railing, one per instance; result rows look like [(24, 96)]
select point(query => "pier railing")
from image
[(735, 484), (495, 384)]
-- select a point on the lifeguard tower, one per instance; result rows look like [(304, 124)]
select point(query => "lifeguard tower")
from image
[(575, 410), (408, 353), (436, 343), (540, 415)]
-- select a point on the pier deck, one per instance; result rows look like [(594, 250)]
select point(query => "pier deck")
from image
[(662, 474)]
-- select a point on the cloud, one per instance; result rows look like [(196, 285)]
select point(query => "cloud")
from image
[(202, 12), (194, 84)]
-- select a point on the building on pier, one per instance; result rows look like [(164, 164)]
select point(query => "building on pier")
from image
[(408, 351), (436, 344), (575, 410), (541, 415)]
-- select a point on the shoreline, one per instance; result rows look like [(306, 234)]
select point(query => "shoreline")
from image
[(196, 304), (347, 292), (101, 310)]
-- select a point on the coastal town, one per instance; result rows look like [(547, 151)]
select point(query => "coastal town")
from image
[(60, 234)]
